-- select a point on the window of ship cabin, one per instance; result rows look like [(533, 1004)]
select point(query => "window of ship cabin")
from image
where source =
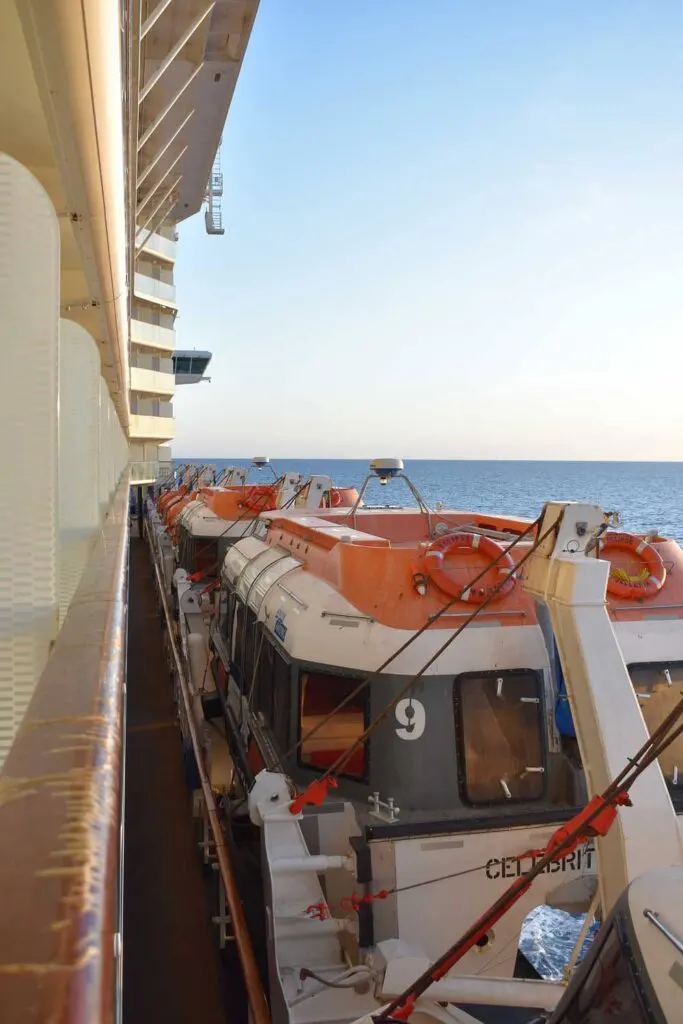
[(319, 695), (658, 689), (500, 736)]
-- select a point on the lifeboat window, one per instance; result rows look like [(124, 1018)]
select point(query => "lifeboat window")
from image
[(271, 694), (204, 557), (319, 695), (658, 689), (236, 623), (244, 645), (500, 729)]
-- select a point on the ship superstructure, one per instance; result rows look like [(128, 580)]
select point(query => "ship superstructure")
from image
[(110, 123), (262, 621)]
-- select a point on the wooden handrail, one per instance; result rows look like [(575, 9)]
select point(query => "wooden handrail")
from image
[(258, 1006), (60, 809)]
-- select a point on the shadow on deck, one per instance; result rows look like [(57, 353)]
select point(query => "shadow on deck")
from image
[(171, 967)]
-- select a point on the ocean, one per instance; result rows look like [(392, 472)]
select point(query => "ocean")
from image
[(648, 495)]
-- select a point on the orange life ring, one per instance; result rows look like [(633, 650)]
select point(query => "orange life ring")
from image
[(648, 582), (335, 497), (438, 549), (259, 498)]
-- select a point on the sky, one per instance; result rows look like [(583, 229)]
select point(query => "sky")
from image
[(454, 229)]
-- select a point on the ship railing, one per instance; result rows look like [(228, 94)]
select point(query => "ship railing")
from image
[(61, 787), (258, 1006), (144, 472)]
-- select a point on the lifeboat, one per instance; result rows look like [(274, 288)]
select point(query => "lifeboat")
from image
[(328, 619)]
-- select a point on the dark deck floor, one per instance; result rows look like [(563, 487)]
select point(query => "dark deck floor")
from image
[(171, 968)]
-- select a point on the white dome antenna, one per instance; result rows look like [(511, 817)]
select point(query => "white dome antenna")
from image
[(385, 469)]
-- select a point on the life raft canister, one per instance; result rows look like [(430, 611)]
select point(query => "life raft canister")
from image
[(648, 582), (434, 563)]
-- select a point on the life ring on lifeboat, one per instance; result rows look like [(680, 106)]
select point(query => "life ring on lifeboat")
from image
[(648, 582), (259, 498), (434, 563), (336, 498)]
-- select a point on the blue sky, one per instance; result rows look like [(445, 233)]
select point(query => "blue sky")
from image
[(454, 229)]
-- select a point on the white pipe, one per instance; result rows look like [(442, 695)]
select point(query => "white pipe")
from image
[(484, 991), (309, 929), (75, 50), (318, 863)]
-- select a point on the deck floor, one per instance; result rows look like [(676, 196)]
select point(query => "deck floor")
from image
[(171, 967)]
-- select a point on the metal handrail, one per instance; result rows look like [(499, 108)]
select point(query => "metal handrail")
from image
[(252, 980), (61, 812)]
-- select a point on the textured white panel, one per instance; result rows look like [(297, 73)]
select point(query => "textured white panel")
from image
[(79, 402), (103, 460), (29, 316)]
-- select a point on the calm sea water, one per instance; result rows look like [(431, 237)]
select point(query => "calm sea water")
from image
[(649, 495)]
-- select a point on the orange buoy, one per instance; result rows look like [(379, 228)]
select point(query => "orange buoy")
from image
[(648, 582), (491, 549), (259, 498), (345, 497)]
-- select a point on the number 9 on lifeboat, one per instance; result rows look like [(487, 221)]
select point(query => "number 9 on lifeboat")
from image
[(494, 554)]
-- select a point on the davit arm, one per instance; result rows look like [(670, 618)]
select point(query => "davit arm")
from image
[(567, 576)]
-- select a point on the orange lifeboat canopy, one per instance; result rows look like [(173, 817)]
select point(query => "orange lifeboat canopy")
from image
[(170, 496)]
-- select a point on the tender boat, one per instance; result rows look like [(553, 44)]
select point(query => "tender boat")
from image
[(433, 706)]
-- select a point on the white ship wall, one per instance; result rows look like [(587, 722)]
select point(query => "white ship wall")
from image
[(63, 445), (29, 341), (79, 425)]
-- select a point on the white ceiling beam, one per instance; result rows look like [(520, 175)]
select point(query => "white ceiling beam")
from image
[(168, 60), (148, 170), (151, 21), (149, 132), (160, 182), (164, 211), (160, 204)]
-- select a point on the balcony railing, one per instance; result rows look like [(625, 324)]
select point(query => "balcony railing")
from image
[(61, 819), (145, 361), (157, 244), (152, 335), (152, 382), (151, 428), (150, 406), (152, 290), (144, 472)]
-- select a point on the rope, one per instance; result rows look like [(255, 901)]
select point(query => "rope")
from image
[(411, 639), (322, 909)]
